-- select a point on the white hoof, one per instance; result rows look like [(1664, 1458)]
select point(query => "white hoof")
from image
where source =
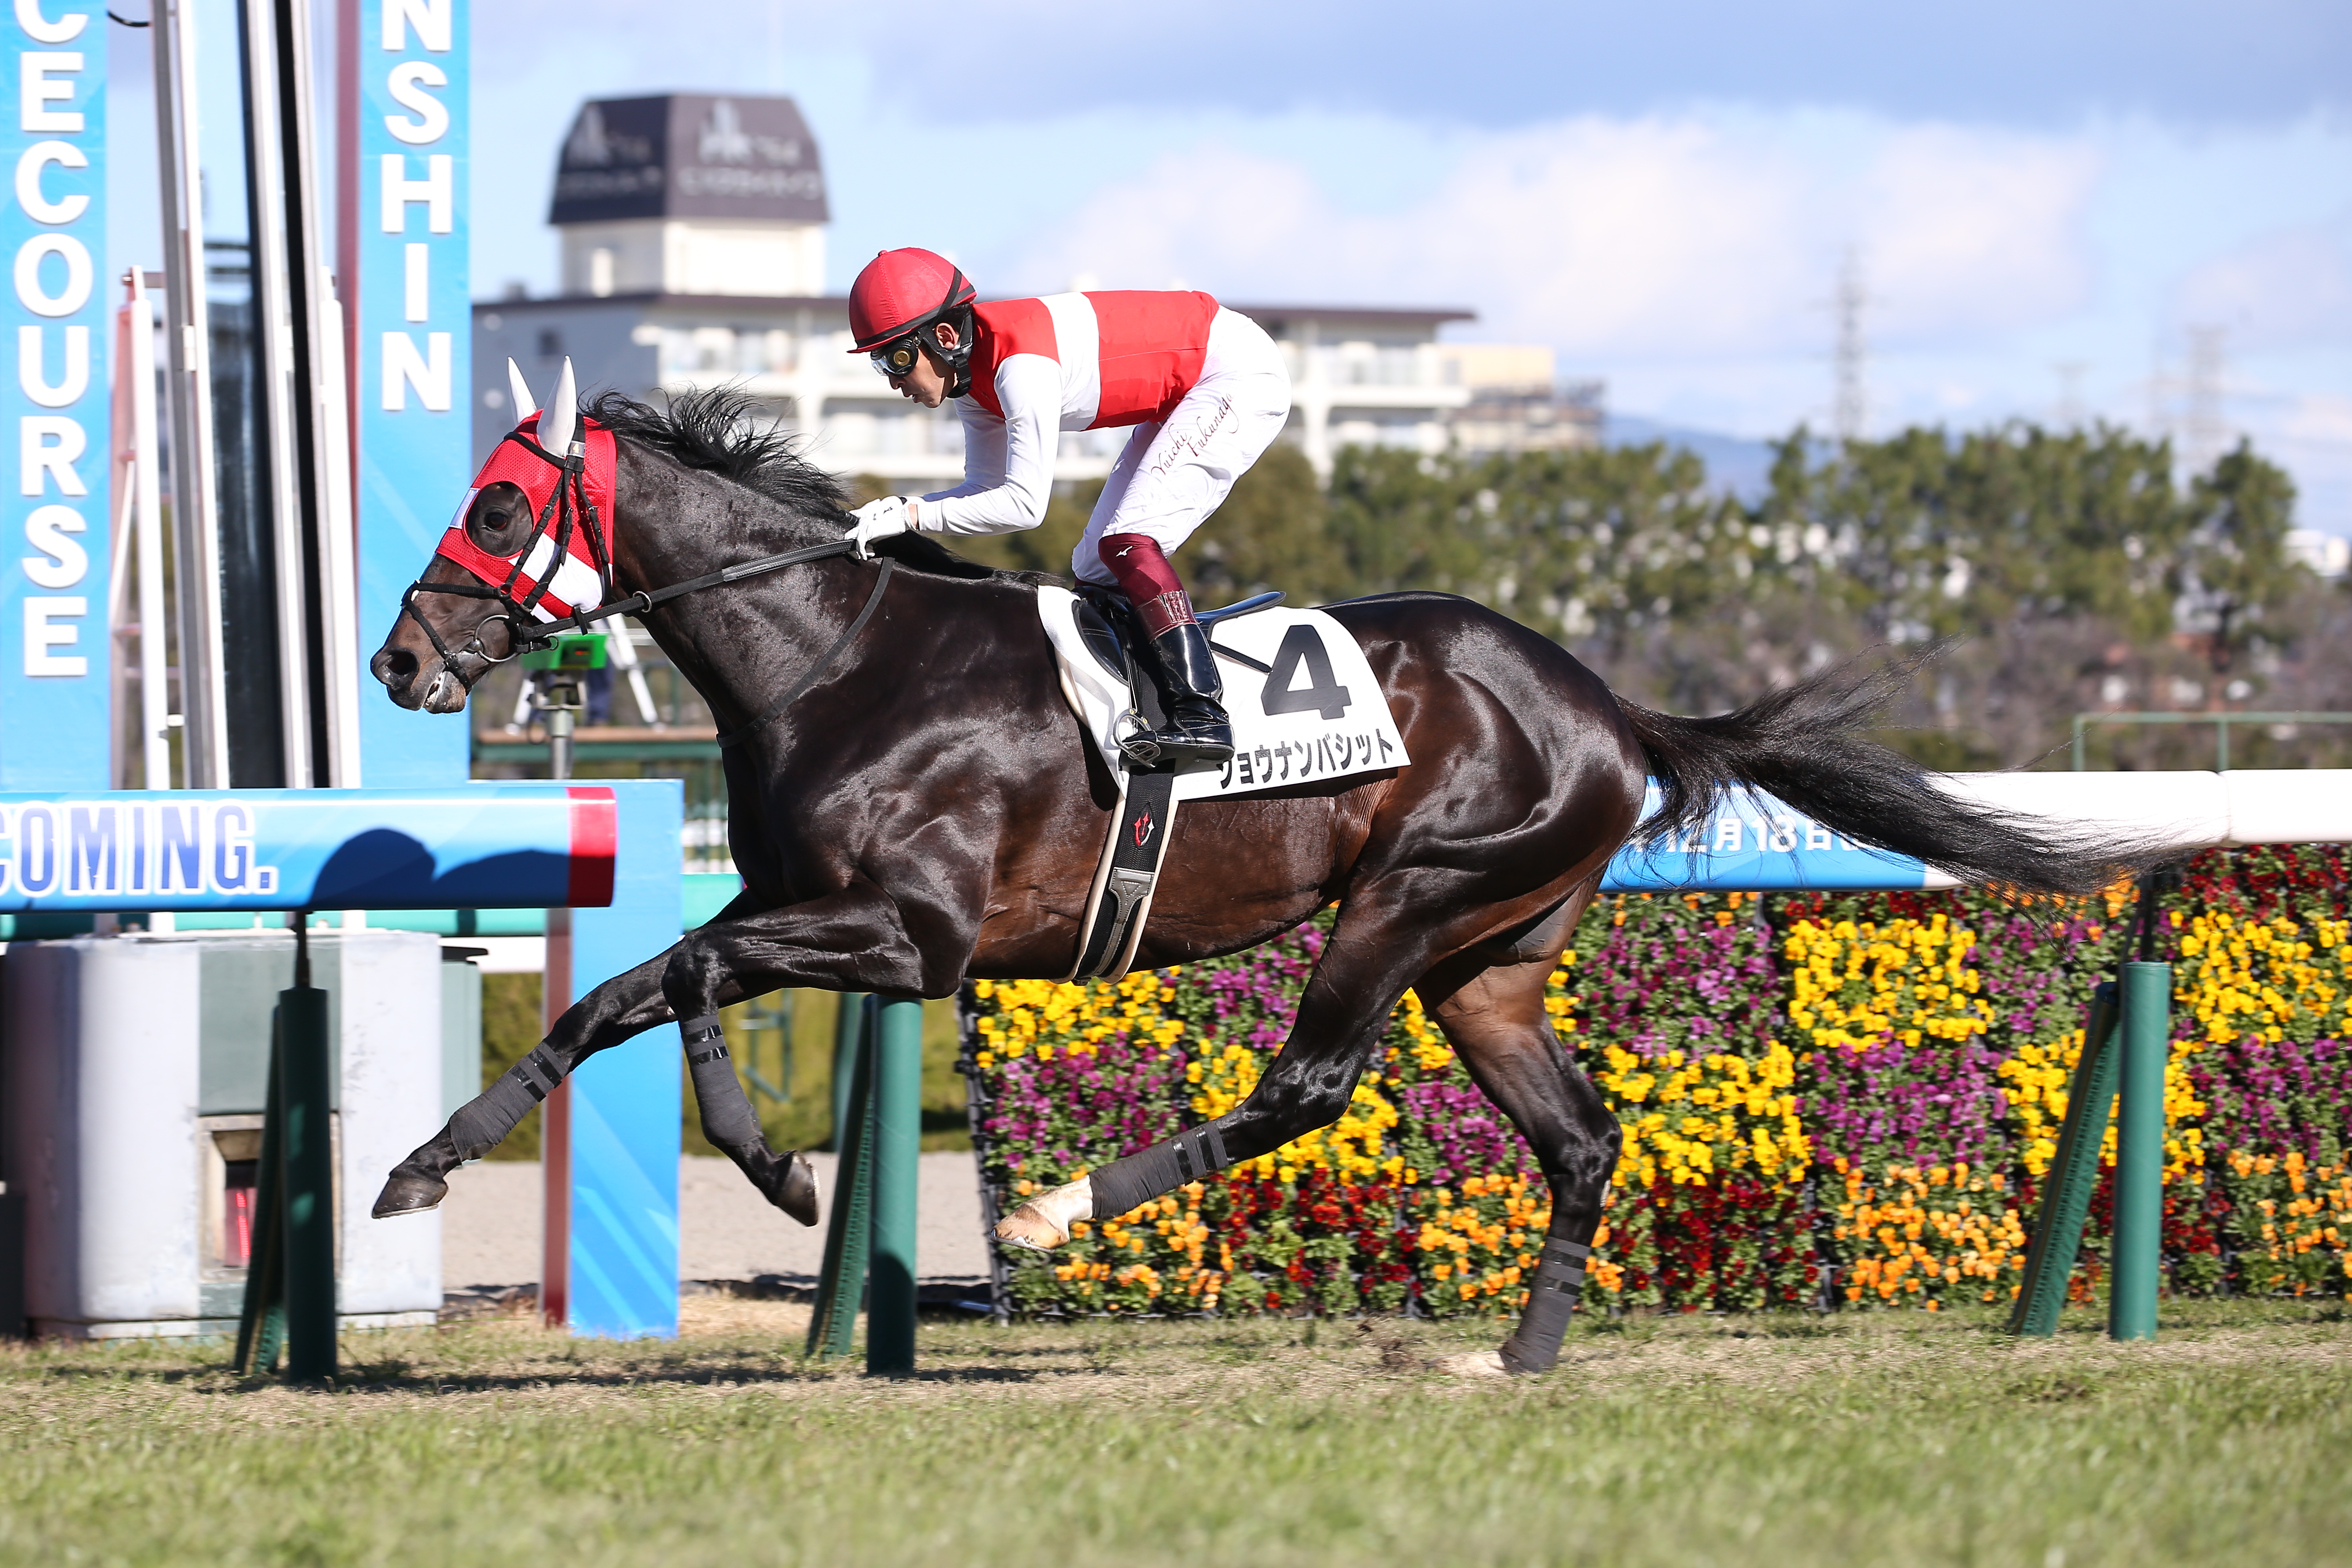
[(1473, 1364), (1045, 1221)]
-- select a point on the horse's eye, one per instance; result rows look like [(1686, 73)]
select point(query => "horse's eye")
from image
[(497, 515)]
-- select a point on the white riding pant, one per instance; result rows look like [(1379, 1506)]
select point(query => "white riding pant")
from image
[(1175, 471)]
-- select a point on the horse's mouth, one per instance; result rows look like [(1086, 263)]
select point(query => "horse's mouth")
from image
[(406, 683), (444, 694)]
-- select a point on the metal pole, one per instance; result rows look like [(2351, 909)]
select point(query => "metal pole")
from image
[(555, 1110), (196, 501), (979, 1108), (559, 743), (146, 483), (2073, 1175), (898, 1160), (2222, 745), (261, 1327), (310, 1170), (841, 1278), (848, 1030), (280, 295), (2139, 1151), (2078, 743)]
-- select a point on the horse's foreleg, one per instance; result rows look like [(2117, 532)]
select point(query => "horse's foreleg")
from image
[(1495, 1018), (624, 1005)]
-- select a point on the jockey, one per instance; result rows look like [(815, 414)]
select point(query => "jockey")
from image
[(1205, 390)]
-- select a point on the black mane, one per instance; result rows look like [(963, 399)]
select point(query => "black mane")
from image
[(713, 430)]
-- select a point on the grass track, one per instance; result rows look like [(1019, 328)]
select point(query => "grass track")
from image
[(1886, 1438)]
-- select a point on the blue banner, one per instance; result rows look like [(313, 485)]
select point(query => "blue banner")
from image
[(414, 368), (506, 846), (625, 1102), (54, 643), (1754, 843)]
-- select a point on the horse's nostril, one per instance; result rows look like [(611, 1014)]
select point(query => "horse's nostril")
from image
[(395, 666)]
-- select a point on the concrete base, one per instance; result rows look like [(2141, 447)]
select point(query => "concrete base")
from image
[(210, 1327), (134, 1071)]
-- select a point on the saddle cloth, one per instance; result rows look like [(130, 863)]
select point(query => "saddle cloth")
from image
[(1304, 703)]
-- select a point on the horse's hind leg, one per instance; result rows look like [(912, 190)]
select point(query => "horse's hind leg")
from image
[(1379, 943), (1494, 1017)]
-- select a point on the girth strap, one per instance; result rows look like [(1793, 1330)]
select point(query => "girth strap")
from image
[(1120, 899)]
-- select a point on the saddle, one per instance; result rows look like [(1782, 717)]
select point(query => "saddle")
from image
[(1120, 898)]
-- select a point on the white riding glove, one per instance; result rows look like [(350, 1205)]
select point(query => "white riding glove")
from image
[(880, 520)]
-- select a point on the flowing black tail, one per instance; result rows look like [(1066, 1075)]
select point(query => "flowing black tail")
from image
[(1804, 744)]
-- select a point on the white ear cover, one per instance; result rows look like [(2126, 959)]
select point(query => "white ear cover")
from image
[(561, 417)]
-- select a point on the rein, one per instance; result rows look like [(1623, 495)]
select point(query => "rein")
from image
[(570, 506)]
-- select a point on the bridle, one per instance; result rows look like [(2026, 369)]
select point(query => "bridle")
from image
[(568, 509), (572, 507)]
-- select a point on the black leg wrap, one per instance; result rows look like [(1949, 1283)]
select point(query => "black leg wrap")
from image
[(482, 1123), (726, 1117), (1552, 1295), (1129, 1184)]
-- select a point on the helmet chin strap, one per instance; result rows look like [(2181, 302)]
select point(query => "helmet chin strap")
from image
[(956, 363)]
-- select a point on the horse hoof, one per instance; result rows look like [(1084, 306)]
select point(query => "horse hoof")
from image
[(1473, 1364), (791, 1186), (1026, 1229), (1048, 1219), (409, 1195)]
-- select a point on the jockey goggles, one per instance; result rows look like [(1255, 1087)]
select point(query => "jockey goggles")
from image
[(896, 357)]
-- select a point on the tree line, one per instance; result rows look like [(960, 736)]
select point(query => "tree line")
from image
[(2065, 570)]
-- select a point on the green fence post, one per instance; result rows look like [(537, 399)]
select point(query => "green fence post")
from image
[(304, 1061), (2073, 1173), (897, 1165), (841, 1279), (261, 1327), (847, 1028), (2139, 1151)]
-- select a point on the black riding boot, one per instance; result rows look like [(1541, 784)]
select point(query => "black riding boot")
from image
[(1198, 737)]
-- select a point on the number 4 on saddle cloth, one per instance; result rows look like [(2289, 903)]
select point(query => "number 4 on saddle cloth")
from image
[(1305, 711)]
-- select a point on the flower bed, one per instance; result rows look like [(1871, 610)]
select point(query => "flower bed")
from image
[(1827, 1099)]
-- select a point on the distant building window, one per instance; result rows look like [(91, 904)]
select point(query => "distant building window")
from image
[(550, 342)]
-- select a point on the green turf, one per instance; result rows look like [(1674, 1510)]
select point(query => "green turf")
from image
[(1881, 1438)]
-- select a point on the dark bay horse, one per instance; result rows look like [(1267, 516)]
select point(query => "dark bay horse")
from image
[(929, 809)]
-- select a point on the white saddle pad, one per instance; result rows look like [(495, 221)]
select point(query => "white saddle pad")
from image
[(1304, 703)]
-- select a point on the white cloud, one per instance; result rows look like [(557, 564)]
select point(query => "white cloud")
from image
[(1651, 237), (2323, 418), (1975, 231), (2289, 288)]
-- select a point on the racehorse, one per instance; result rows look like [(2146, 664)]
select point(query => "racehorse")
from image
[(891, 840)]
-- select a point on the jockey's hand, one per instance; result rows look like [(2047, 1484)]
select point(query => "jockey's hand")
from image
[(880, 520)]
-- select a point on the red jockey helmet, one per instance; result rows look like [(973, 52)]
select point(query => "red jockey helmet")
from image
[(901, 291)]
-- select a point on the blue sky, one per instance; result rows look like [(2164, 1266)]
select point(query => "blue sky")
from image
[(1663, 193)]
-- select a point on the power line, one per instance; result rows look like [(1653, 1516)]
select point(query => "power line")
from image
[(2069, 413), (2204, 433), (1852, 412)]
